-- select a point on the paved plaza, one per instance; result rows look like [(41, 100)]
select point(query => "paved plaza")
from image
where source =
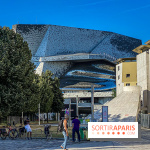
[(43, 144)]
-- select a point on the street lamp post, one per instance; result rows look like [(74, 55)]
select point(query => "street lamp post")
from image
[(70, 113), (39, 113), (92, 102), (77, 111)]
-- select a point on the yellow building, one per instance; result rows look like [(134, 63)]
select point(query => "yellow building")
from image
[(126, 73)]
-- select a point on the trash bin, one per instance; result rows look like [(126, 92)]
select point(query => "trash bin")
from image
[(86, 134), (81, 133)]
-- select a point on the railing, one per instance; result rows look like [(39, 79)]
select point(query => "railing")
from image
[(84, 104), (144, 120), (37, 132)]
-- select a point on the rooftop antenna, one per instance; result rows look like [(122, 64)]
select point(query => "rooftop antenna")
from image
[(36, 19)]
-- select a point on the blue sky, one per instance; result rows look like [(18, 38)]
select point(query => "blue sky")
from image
[(127, 17)]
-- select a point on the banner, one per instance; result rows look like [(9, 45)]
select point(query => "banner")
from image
[(112, 129)]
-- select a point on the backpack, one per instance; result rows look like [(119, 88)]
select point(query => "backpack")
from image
[(60, 126), (46, 130), (21, 130)]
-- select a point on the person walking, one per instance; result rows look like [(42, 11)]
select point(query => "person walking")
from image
[(75, 128), (65, 132)]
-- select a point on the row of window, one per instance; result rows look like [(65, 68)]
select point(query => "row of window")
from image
[(127, 76), (127, 84)]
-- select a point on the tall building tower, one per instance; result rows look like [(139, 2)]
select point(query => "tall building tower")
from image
[(143, 74)]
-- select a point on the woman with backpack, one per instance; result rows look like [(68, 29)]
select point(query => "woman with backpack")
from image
[(65, 132)]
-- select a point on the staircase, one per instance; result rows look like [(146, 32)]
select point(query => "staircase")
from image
[(123, 108)]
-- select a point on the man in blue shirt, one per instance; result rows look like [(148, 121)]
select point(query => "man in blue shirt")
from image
[(75, 128)]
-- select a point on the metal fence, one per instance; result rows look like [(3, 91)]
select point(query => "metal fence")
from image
[(144, 120)]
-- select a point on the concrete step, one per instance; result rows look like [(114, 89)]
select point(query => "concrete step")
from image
[(125, 106), (122, 108)]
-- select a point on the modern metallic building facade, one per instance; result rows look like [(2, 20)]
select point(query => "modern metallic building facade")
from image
[(79, 57)]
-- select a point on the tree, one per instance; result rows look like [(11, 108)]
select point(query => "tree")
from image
[(18, 92), (50, 94), (31, 106), (114, 93), (46, 92), (58, 100)]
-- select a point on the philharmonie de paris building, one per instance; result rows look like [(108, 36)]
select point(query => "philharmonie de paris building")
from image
[(80, 58)]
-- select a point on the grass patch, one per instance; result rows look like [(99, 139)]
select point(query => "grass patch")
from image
[(38, 131)]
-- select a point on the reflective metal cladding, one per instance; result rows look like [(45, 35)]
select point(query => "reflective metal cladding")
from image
[(83, 74)]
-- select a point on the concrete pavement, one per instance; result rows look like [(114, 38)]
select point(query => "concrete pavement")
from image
[(43, 144)]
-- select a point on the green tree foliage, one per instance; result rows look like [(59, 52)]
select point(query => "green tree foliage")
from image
[(18, 92), (50, 94), (113, 93), (45, 82), (46, 92), (58, 100)]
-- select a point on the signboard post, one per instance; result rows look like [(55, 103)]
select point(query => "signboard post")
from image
[(104, 113)]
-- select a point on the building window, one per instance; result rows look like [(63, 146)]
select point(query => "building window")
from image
[(127, 84), (118, 68), (127, 75), (118, 77)]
